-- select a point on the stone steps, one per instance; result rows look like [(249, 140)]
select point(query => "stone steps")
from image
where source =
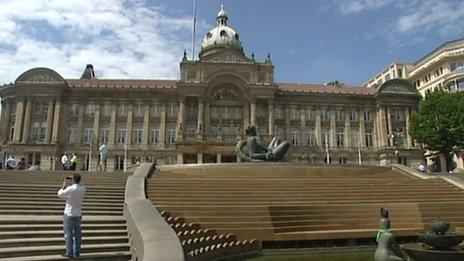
[(261, 202), (31, 226)]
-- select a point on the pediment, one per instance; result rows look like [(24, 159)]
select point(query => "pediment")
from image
[(40, 76), (397, 86)]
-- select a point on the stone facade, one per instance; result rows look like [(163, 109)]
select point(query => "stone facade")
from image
[(200, 117)]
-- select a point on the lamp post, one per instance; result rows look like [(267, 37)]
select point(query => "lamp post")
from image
[(125, 157), (396, 138), (90, 152)]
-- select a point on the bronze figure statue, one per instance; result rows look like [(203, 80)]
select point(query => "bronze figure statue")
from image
[(387, 248), (256, 152)]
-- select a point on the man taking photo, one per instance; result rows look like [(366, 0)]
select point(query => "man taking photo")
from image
[(72, 218)]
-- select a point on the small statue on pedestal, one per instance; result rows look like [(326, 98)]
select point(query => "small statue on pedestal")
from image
[(387, 248)]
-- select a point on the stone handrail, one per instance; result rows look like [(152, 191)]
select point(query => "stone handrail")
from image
[(409, 171), (150, 237)]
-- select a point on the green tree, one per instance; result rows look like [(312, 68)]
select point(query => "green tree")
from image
[(439, 123)]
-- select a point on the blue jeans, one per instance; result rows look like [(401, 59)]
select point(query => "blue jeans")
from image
[(72, 235)]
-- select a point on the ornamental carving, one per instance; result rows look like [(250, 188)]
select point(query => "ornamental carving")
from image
[(40, 76), (227, 57), (225, 95), (397, 88)]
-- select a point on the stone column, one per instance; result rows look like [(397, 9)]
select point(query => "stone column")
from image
[(200, 123), (333, 129), (48, 136), (96, 127), (56, 121), (6, 107), (80, 123), (362, 130), (180, 158), (253, 112), (270, 113), (130, 110), (112, 133), (162, 130), (181, 120), (407, 135), (389, 125), (288, 136), (246, 116), (317, 128), (219, 157), (375, 131), (199, 157), (304, 136), (348, 142), (27, 121), (207, 119), (146, 125), (18, 121)]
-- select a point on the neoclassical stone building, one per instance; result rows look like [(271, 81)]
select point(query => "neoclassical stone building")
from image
[(200, 117)]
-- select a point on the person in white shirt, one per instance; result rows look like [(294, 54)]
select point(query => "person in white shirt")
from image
[(72, 218), (10, 163), (103, 156), (65, 161)]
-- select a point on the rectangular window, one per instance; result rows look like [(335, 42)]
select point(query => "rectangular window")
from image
[(137, 136), (294, 113), (72, 133), (119, 163), (191, 110), (155, 111), (296, 137), (325, 115), (226, 112), (122, 110), (154, 136), (340, 140), (106, 110), (353, 115), (35, 132), (367, 116), (238, 113), (311, 139), (340, 115), (191, 131), (90, 109), (139, 110), (369, 140), (172, 110), (171, 160), (74, 110), (171, 139), (215, 112), (325, 135), (121, 136), (88, 131), (310, 115), (104, 136), (279, 113)]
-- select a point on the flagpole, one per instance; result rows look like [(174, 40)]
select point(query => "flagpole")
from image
[(194, 18)]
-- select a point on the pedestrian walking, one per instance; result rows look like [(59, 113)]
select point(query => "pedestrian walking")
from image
[(65, 161), (10, 163), (74, 194), (103, 151), (73, 162)]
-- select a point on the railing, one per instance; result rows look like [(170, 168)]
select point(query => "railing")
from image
[(150, 237)]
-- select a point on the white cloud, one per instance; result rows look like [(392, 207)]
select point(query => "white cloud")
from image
[(123, 39), (357, 6)]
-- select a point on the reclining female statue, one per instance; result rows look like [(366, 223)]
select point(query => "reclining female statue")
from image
[(256, 152), (387, 248)]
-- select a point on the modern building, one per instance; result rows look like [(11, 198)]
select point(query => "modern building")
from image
[(200, 117), (443, 68)]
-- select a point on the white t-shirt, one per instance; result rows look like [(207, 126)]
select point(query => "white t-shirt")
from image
[(103, 151), (64, 160), (74, 196)]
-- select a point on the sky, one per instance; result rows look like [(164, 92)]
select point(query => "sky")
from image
[(310, 41)]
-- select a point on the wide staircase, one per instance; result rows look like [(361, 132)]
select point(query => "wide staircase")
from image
[(31, 216), (283, 202)]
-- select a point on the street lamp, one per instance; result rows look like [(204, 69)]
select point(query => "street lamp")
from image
[(397, 140)]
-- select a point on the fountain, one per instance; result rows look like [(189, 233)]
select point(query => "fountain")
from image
[(438, 244)]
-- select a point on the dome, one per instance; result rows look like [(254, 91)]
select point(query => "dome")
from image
[(221, 34)]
